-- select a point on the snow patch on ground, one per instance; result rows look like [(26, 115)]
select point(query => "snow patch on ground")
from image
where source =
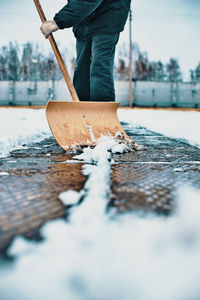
[(93, 256), (4, 174), (183, 125), (70, 197), (20, 127)]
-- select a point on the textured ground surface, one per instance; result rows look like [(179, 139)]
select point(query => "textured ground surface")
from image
[(144, 180)]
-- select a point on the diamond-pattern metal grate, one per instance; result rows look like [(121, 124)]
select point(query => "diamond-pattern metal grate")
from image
[(143, 180)]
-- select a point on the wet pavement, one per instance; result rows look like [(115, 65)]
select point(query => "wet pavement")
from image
[(141, 180)]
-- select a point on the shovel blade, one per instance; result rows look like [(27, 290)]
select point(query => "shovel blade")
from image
[(82, 123)]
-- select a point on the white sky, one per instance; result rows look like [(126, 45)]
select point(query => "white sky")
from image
[(164, 29)]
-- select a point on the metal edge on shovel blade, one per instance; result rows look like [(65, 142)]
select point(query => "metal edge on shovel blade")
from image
[(82, 123)]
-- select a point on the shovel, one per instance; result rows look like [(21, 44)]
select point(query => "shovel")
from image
[(75, 122)]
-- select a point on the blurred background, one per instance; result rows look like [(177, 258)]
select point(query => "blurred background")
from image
[(157, 61)]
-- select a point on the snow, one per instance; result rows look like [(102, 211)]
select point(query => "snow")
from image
[(4, 173), (92, 257), (95, 255), (178, 170), (70, 197), (20, 127), (184, 125), (21, 246), (102, 151)]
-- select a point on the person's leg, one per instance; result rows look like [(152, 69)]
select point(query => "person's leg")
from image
[(101, 68), (81, 78)]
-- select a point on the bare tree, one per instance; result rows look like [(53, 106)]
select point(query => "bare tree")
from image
[(173, 71)]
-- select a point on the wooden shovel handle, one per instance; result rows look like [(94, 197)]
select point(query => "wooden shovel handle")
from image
[(58, 55)]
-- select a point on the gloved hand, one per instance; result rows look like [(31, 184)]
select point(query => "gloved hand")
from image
[(49, 27)]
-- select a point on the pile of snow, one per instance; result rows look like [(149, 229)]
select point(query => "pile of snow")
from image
[(20, 127), (184, 125), (116, 144)]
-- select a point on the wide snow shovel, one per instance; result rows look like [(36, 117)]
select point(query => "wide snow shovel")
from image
[(78, 123)]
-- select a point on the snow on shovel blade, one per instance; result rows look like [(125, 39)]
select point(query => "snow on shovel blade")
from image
[(82, 123)]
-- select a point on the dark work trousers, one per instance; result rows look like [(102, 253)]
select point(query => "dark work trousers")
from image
[(93, 74)]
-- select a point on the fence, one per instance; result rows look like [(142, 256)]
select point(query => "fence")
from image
[(145, 93)]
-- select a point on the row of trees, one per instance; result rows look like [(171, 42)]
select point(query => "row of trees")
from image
[(157, 71), (26, 64), (29, 64), (195, 74), (146, 70)]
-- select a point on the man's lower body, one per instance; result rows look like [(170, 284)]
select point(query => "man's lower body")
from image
[(93, 74)]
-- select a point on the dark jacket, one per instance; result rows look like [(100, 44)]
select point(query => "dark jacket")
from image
[(93, 16)]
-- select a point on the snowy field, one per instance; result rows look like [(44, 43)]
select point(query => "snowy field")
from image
[(182, 125), (19, 127), (93, 256)]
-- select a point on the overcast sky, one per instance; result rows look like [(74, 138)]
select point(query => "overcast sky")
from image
[(163, 28)]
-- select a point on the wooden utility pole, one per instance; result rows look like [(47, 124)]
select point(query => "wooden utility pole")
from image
[(130, 61)]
